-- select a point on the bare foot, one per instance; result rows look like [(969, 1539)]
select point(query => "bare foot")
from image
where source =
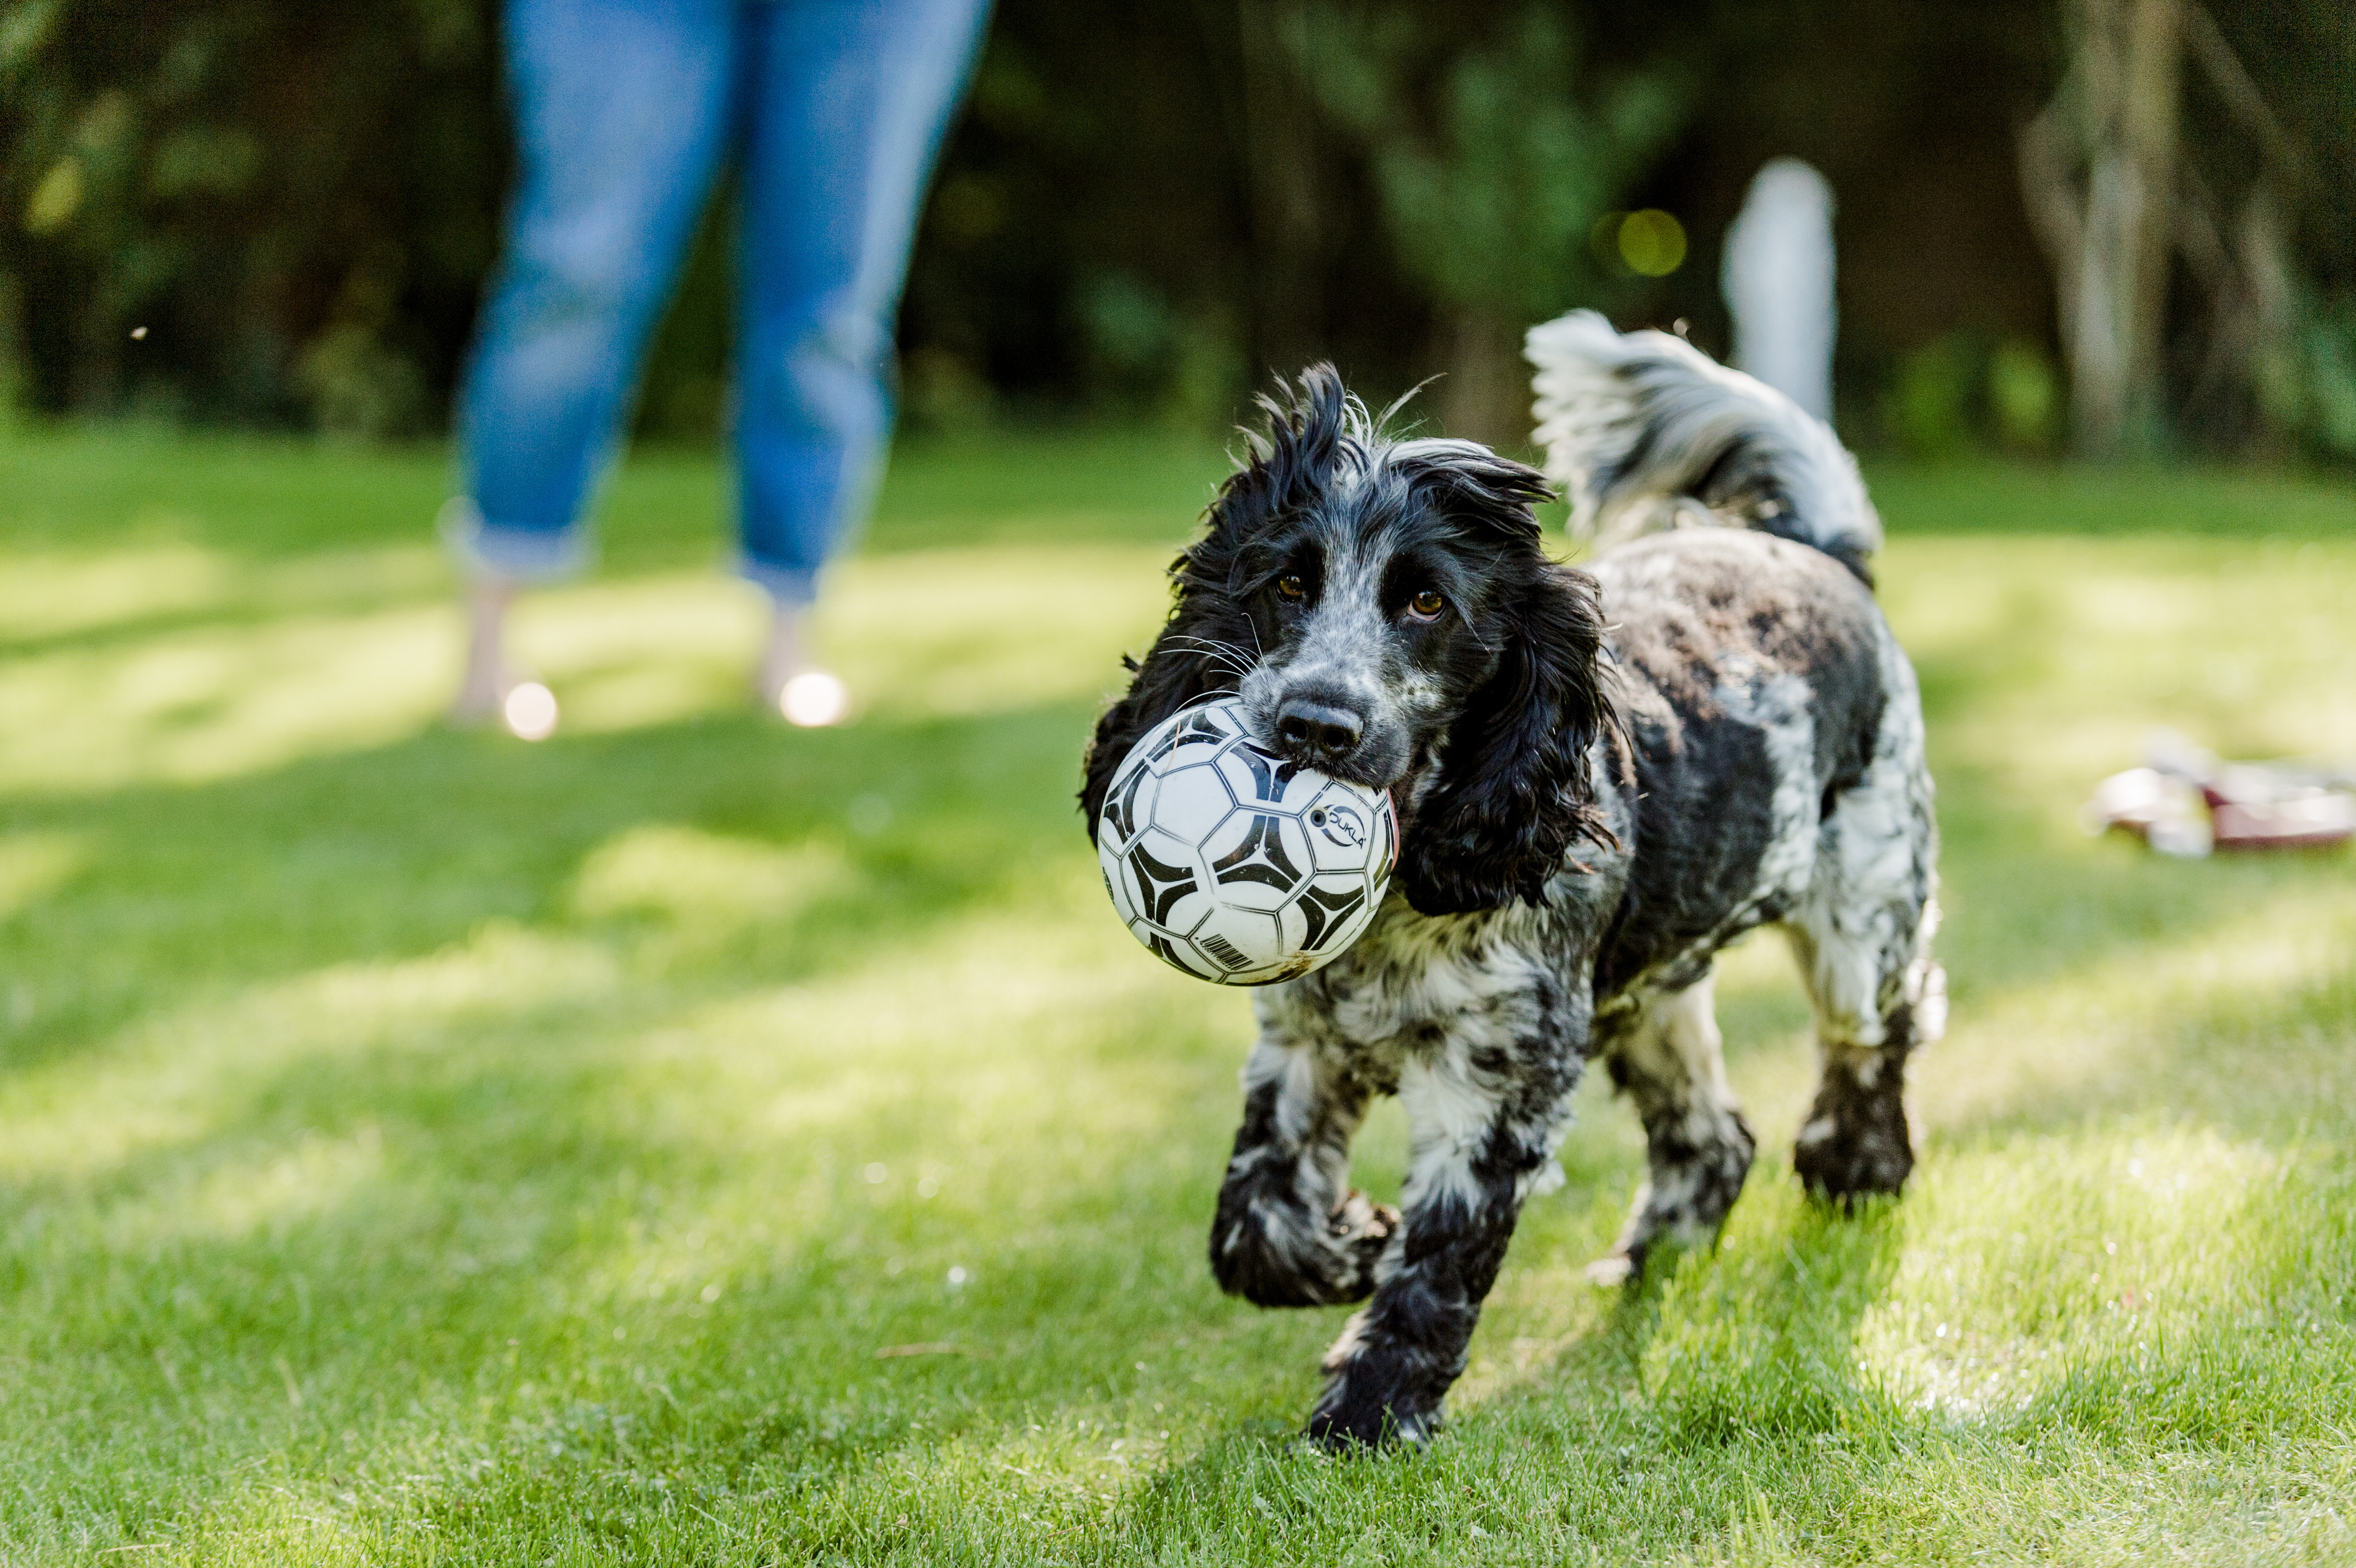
[(493, 692), (787, 684)]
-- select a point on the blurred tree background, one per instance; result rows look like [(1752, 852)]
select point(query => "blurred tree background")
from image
[(264, 213)]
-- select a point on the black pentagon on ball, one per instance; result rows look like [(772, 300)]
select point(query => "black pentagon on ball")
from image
[(1260, 858)]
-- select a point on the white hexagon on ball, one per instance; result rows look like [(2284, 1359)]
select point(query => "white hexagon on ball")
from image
[(1231, 863)]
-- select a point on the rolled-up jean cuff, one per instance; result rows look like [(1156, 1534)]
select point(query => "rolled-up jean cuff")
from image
[(524, 555), (792, 585)]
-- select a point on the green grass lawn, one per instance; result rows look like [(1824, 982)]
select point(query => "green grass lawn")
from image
[(689, 1141)]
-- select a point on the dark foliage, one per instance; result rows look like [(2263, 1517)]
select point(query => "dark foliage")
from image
[(296, 202), (1144, 209)]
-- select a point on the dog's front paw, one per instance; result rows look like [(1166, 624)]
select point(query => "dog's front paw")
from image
[(1345, 1423), (1348, 1431), (1378, 1391), (1276, 1253)]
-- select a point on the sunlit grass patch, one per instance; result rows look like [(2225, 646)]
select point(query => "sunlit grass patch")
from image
[(34, 866), (703, 889), (51, 595), (955, 633), (208, 701), (2058, 1255), (2241, 644), (181, 1074), (690, 1140)]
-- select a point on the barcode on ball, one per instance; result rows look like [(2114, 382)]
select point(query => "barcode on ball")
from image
[(1225, 952)]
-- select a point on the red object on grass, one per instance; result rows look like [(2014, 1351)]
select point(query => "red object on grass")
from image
[(2314, 821), (2187, 802)]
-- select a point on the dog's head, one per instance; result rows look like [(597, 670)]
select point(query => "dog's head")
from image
[(1385, 615)]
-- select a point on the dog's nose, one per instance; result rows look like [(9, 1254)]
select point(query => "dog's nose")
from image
[(1319, 730)]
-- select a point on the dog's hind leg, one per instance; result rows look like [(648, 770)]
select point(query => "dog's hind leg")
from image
[(1854, 1139), (1663, 1053), (1288, 1232), (1863, 940)]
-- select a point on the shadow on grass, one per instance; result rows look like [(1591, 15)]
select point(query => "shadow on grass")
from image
[(1752, 1345), (2026, 903), (457, 1261), (460, 1253), (2026, 895), (380, 1203), (510, 1224), (399, 852)]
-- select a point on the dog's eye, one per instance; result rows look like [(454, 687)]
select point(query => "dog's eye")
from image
[(1427, 606), (1289, 585)]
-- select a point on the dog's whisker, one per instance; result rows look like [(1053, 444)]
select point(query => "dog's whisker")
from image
[(1222, 655), (1216, 694), (1213, 643)]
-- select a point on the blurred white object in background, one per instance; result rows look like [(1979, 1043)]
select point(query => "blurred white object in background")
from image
[(529, 711), (2164, 811), (1778, 282), (814, 700)]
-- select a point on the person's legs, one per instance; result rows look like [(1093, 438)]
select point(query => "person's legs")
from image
[(847, 101), (622, 112)]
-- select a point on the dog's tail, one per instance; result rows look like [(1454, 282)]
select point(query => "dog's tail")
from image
[(1648, 433)]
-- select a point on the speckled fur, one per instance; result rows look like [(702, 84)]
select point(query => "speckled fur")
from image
[(1753, 758)]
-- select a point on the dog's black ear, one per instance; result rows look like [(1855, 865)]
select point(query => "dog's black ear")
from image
[(1210, 640), (1186, 665), (1513, 790)]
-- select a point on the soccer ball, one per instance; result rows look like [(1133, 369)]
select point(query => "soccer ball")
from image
[(1234, 864)]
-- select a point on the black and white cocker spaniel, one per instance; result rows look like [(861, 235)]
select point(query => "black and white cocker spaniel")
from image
[(1603, 777)]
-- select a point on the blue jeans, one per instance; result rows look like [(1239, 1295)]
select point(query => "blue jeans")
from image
[(832, 112)]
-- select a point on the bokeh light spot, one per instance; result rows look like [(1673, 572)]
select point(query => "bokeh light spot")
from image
[(1652, 243), (529, 711), (814, 700)]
